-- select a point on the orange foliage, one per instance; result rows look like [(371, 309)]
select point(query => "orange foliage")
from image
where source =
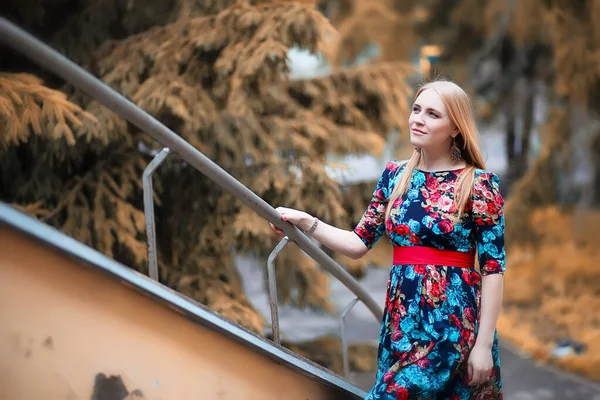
[(551, 290)]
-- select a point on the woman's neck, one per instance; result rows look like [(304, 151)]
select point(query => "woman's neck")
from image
[(438, 162)]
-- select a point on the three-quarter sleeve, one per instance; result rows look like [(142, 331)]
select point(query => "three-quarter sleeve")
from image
[(488, 217), (371, 225)]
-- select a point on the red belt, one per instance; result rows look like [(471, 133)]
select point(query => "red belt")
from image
[(432, 256)]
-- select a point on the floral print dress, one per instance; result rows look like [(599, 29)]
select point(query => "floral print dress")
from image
[(431, 311)]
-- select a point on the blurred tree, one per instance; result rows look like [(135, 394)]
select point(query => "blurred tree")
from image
[(215, 72), (387, 27), (509, 61)]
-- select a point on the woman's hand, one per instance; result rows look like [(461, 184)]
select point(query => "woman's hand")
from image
[(480, 365), (338, 240), (301, 219)]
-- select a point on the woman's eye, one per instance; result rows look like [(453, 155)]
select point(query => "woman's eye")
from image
[(433, 114)]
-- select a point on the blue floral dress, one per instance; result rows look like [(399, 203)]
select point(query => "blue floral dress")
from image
[(432, 311)]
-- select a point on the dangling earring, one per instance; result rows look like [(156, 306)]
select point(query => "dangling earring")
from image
[(455, 152)]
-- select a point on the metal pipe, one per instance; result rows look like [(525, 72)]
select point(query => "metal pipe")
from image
[(271, 278), (345, 362), (24, 43), (149, 211)]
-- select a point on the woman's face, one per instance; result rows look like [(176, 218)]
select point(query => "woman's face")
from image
[(430, 127)]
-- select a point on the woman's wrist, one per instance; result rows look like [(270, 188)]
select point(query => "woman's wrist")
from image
[(484, 342), (307, 222)]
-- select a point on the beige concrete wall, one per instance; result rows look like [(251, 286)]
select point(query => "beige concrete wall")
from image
[(61, 325)]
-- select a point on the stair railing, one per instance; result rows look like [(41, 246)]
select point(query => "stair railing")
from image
[(45, 56)]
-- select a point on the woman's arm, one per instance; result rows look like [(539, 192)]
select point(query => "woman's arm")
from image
[(491, 303), (355, 243), (339, 240), (488, 213), (480, 359)]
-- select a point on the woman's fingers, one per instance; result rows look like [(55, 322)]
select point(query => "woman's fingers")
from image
[(479, 376), (470, 372), (276, 230), (475, 379), (289, 215)]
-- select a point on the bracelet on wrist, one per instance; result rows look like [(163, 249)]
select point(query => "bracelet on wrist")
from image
[(312, 228)]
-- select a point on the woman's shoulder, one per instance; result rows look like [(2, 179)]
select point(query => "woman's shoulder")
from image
[(486, 182), (394, 166), (392, 170), (486, 175)]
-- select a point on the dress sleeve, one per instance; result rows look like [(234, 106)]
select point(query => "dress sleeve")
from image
[(488, 216), (371, 225)]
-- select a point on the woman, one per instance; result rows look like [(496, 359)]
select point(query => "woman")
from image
[(438, 335)]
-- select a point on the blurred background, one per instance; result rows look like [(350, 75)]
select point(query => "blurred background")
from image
[(305, 102)]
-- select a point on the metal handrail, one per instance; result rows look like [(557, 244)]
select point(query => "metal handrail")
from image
[(23, 42)]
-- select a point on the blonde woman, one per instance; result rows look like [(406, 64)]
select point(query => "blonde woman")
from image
[(438, 335)]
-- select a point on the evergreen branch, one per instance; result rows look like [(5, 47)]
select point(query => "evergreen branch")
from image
[(64, 202), (20, 98)]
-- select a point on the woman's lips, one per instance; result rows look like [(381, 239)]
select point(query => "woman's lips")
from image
[(418, 132)]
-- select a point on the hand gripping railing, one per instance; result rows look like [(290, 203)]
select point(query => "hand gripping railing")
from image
[(24, 43)]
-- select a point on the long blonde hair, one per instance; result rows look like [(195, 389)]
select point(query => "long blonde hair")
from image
[(459, 109)]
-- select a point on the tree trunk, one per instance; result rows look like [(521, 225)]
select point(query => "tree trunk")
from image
[(522, 159), (596, 170), (511, 137)]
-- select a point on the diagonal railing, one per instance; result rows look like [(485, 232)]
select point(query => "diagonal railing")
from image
[(45, 56)]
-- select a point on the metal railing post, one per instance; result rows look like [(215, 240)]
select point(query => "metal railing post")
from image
[(271, 278), (345, 361), (149, 211)]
